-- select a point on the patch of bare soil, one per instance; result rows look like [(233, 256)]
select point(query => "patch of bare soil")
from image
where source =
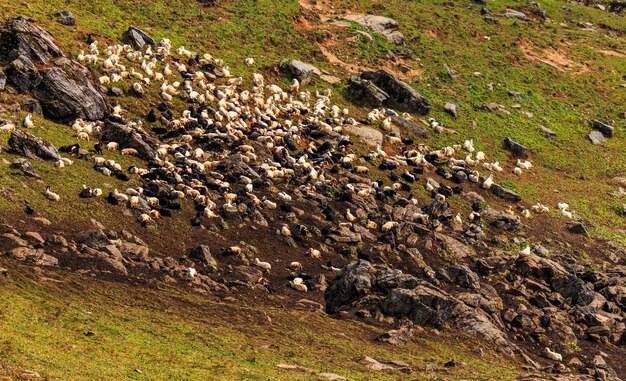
[(556, 58)]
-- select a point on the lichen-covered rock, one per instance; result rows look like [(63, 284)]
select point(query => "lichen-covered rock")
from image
[(36, 63)]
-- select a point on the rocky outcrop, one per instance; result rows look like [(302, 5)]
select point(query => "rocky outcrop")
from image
[(36, 63), (379, 24), (31, 146), (381, 88), (128, 137), (403, 296), (138, 39)]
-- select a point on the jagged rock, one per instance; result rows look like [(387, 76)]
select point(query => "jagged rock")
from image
[(31, 146), (3, 80), (31, 105), (596, 137), (303, 72), (65, 17), (32, 256), (352, 283), (137, 38), (128, 137), (578, 228), (410, 126), (516, 149), (515, 94), (606, 129), (345, 235), (462, 275), (202, 254), (25, 166), (454, 247), (502, 220), (36, 63), (451, 109), (379, 24), (133, 251), (382, 88), (504, 193)]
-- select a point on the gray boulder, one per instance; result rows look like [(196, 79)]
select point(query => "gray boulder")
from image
[(451, 109), (128, 137), (303, 72), (606, 129), (596, 137), (379, 24), (3, 80), (516, 149), (31, 146), (381, 88), (66, 18), (505, 194), (202, 254), (410, 126), (36, 63), (25, 166), (137, 38), (353, 282), (511, 13)]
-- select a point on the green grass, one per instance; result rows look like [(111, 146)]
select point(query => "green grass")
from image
[(163, 334)]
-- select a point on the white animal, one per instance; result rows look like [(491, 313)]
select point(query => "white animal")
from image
[(553, 355), (488, 183), (28, 121), (50, 195), (266, 266)]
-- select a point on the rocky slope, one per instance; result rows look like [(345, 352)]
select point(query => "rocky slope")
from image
[(284, 200)]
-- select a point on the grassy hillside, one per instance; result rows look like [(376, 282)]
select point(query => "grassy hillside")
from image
[(111, 331), (569, 76)]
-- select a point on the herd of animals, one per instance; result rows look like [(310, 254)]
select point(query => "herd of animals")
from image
[(290, 136)]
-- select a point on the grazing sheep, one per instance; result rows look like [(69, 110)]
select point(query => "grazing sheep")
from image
[(51, 195), (298, 285), (488, 183), (266, 266), (112, 146), (130, 152), (552, 355)]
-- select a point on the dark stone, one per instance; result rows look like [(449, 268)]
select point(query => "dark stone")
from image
[(352, 283), (382, 88), (25, 166), (463, 276), (410, 126), (32, 105), (578, 228), (202, 254), (37, 63), (607, 130), (128, 137), (31, 146), (516, 149), (303, 72), (504, 193), (3, 80), (137, 38)]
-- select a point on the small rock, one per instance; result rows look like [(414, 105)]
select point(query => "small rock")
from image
[(138, 38), (115, 92), (332, 377), (504, 193), (25, 166), (578, 228), (451, 109), (547, 131), (66, 18), (31, 146), (34, 237), (606, 129), (516, 149), (596, 137), (511, 13), (3, 80), (368, 135), (303, 72), (515, 94)]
